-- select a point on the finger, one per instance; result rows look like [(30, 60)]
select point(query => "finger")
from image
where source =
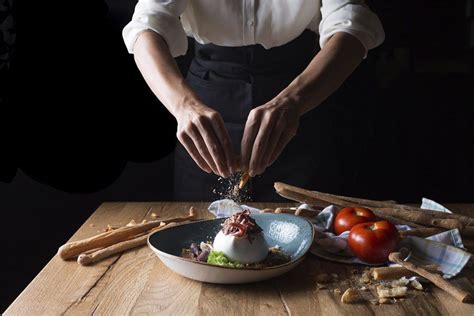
[(226, 144), (282, 142), (272, 144), (194, 153), (213, 146), (237, 163), (257, 151), (202, 148), (259, 147), (250, 132)]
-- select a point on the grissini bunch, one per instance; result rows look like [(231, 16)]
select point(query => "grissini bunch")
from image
[(97, 255), (103, 240), (397, 213)]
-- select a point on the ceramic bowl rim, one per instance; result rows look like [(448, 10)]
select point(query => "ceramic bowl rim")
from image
[(224, 267)]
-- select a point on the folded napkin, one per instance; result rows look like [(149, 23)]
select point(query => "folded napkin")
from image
[(441, 249)]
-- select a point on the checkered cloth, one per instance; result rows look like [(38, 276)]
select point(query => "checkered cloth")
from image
[(441, 249)]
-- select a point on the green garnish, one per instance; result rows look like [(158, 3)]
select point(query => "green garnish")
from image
[(218, 258)]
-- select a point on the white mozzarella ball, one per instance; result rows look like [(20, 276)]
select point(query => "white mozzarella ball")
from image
[(241, 249)]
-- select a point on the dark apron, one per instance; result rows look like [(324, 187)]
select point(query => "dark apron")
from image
[(233, 80)]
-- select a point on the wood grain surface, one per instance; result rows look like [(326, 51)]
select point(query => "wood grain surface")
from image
[(136, 282)]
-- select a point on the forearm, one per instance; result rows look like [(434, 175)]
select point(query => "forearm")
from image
[(200, 129), (161, 73), (325, 73)]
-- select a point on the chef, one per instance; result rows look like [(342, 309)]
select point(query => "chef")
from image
[(260, 72)]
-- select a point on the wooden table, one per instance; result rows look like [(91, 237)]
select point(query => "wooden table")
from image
[(137, 282)]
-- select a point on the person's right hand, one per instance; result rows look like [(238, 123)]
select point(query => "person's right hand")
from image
[(202, 132)]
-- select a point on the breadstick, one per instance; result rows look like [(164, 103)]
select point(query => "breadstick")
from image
[(395, 220), (243, 180), (391, 273), (467, 231), (448, 223), (73, 249), (306, 213), (140, 240), (315, 197), (458, 293), (286, 210), (421, 232)]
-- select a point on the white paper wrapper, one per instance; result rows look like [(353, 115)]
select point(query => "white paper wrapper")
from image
[(227, 207)]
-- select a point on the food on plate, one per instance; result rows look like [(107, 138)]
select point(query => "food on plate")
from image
[(372, 242), (241, 239), (348, 217), (239, 244), (219, 258)]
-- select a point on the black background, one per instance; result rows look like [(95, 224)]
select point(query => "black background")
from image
[(79, 126)]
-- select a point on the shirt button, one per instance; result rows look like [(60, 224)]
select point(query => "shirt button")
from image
[(250, 23)]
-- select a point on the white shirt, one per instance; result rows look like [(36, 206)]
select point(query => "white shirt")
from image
[(245, 22)]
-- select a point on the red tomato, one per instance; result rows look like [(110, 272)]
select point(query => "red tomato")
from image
[(372, 242), (350, 216)]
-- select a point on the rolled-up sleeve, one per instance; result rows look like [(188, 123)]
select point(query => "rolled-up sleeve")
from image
[(352, 17), (162, 17)]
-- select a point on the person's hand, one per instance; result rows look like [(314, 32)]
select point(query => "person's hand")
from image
[(268, 130), (202, 132)]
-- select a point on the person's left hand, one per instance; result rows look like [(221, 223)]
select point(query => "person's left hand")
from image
[(268, 130)]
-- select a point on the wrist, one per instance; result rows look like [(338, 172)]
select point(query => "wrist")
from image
[(184, 100), (288, 101)]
